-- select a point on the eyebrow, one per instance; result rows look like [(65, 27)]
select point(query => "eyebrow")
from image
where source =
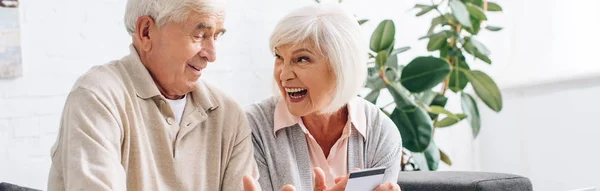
[(203, 26)]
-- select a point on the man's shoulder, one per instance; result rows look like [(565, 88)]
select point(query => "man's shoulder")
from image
[(104, 78), (219, 96)]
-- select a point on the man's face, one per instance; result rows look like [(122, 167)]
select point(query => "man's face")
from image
[(181, 50)]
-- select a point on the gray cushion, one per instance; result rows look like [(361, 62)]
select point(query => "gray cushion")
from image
[(11, 187), (463, 181)]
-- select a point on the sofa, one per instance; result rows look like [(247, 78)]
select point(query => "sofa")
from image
[(462, 181), (429, 181)]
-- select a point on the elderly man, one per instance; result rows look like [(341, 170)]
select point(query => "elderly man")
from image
[(145, 122)]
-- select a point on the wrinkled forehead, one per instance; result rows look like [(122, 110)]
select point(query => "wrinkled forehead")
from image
[(206, 20), (307, 44)]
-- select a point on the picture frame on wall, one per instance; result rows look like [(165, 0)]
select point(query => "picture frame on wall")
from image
[(10, 43)]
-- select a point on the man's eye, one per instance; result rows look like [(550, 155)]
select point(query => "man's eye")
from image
[(218, 36)]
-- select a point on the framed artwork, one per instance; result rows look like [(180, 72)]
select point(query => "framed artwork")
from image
[(10, 43)]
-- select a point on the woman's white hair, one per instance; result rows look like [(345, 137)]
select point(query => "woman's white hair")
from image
[(336, 34), (163, 11)]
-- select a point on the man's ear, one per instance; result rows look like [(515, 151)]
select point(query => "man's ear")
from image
[(145, 28)]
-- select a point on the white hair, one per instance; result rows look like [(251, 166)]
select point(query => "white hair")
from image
[(163, 11), (336, 34)]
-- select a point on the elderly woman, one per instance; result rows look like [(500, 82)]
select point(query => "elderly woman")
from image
[(316, 120)]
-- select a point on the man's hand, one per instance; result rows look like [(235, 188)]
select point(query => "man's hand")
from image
[(251, 185), (388, 186)]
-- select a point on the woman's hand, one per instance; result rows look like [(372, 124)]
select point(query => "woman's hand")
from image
[(320, 185), (388, 186), (251, 185)]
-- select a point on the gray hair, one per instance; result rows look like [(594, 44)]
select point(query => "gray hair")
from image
[(336, 34), (163, 11)]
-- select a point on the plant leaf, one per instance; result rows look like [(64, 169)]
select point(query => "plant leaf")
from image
[(437, 41), (383, 36), (458, 80), (469, 106), (483, 57), (426, 97), (493, 28), (486, 89), (441, 110), (479, 46), (493, 7), (381, 58), (425, 10), (439, 100), (476, 12), (415, 127), (420, 161), (424, 73), (400, 50), (432, 155), (413, 122), (474, 30), (420, 6), (391, 74), (440, 20), (374, 82), (475, 2), (362, 21), (392, 62), (470, 47), (449, 121), (460, 12), (400, 98), (444, 157), (372, 96)]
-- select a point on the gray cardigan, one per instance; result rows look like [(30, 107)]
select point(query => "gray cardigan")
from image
[(284, 159)]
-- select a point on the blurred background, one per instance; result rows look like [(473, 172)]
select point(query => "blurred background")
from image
[(544, 63)]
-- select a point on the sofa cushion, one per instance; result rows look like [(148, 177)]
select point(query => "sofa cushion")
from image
[(11, 187), (464, 181)]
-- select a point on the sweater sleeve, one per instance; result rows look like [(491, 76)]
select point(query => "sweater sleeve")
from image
[(88, 151), (242, 161), (388, 146)]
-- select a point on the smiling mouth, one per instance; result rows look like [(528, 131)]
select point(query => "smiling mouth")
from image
[(296, 93), (195, 68)]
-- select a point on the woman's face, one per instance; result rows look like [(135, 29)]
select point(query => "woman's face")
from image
[(304, 77)]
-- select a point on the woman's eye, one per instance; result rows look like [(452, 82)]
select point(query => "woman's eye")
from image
[(277, 56), (302, 59)]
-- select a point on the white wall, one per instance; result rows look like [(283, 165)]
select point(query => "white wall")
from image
[(548, 132), (548, 129)]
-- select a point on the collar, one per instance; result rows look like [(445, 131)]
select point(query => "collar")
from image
[(356, 114), (145, 88)]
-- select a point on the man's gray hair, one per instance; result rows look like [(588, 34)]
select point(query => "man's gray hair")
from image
[(337, 35), (163, 11)]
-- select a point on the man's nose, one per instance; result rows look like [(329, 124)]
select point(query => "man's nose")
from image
[(208, 51)]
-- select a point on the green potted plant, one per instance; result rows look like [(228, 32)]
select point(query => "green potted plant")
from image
[(419, 89), (415, 87)]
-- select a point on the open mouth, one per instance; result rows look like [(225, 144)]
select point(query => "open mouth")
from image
[(195, 68), (296, 93)]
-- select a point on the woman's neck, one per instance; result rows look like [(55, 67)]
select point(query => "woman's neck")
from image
[(326, 129)]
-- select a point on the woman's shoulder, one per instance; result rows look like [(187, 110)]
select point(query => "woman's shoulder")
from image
[(376, 120), (261, 106), (261, 111)]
